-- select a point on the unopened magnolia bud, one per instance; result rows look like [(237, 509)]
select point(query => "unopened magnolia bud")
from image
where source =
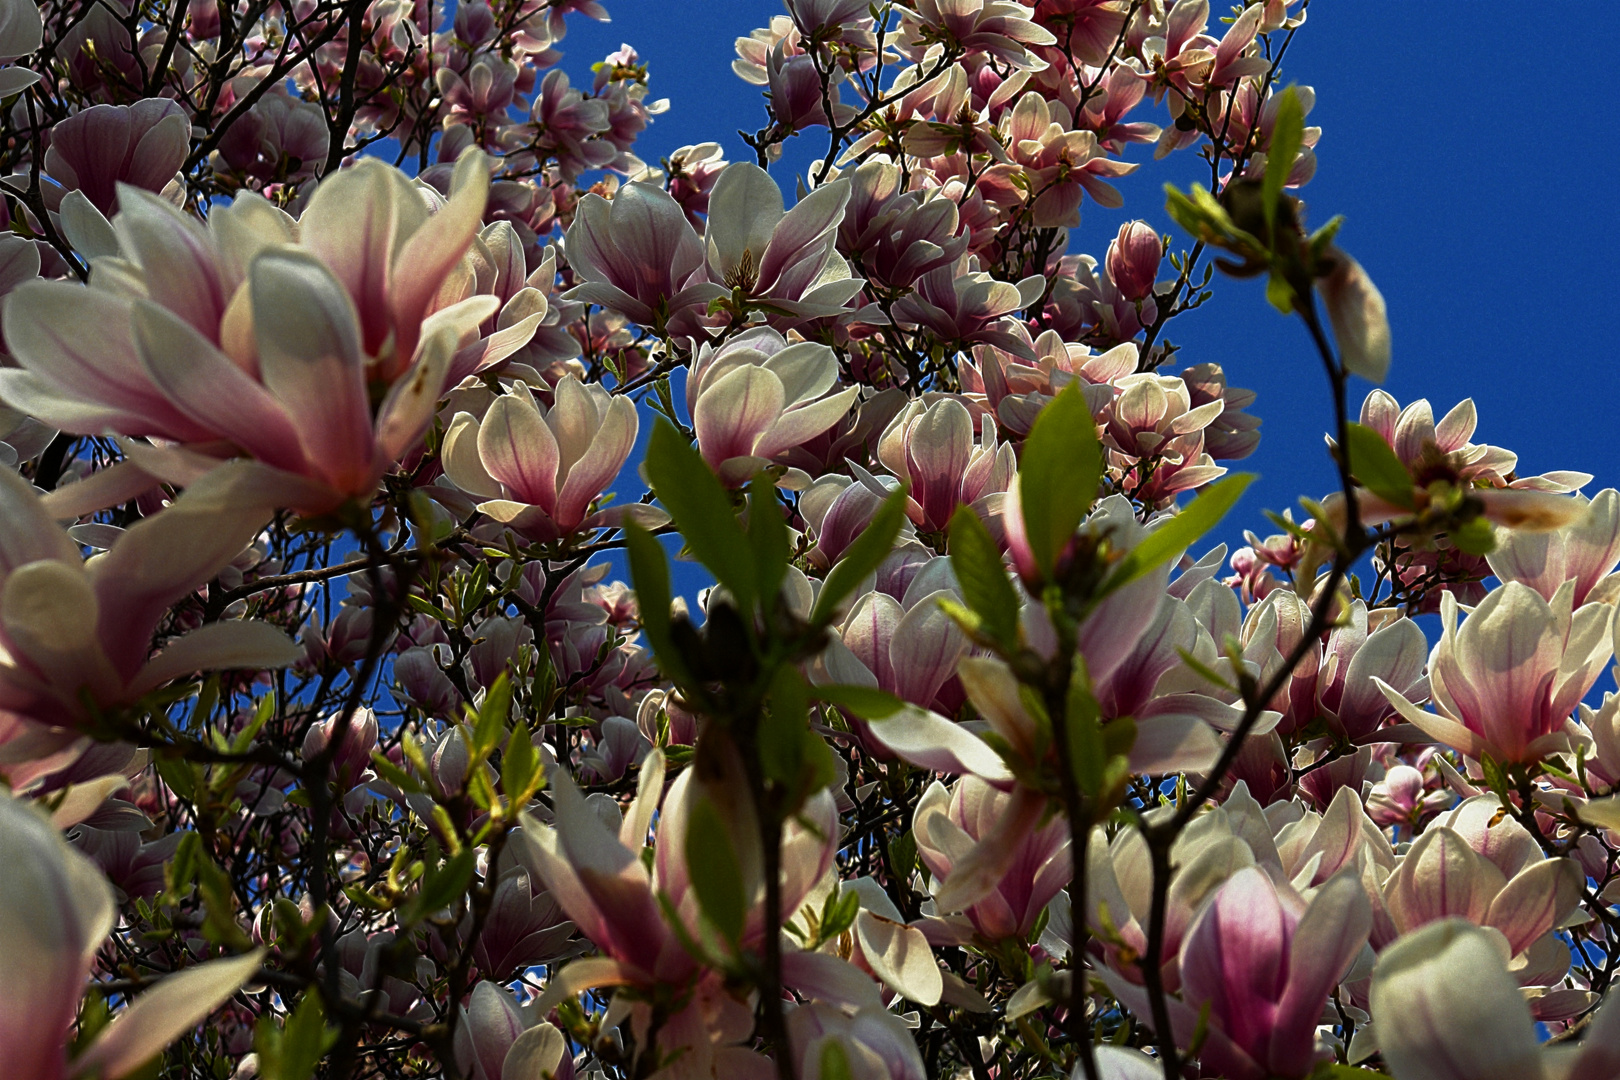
[(1133, 259), (353, 754)]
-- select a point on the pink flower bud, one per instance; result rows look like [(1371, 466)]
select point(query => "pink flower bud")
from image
[(354, 750), (1133, 259)]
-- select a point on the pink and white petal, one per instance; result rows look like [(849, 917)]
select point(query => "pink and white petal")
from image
[(1535, 901), (165, 557), (800, 425), (1446, 1009), (224, 646), (517, 448), (207, 386), (736, 412), (899, 955), (1169, 744), (593, 471), (162, 1014), (310, 359), (929, 740), (1329, 937)]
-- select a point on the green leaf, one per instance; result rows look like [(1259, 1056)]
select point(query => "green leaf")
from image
[(702, 511), (903, 854), (519, 766), (834, 1062), (786, 722), (866, 702), (716, 876), (1473, 538), (293, 1051), (1058, 475), (1287, 136), (649, 574), (1179, 533), (441, 887), (767, 537), (490, 724), (1374, 464), (1082, 719), (979, 570), (870, 548), (1280, 294)]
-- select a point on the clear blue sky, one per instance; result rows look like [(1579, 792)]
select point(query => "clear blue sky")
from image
[(1468, 146)]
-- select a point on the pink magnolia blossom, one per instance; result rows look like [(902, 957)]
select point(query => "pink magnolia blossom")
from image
[(597, 875), (142, 145), (757, 397), (873, 1044), (1263, 963), (172, 346), (997, 28), (931, 447), (639, 256), (1506, 682), (495, 1041), (1133, 259), (782, 261), (1586, 551), (1441, 876), (539, 470), (73, 632), (948, 824), (55, 911), (1445, 1008)]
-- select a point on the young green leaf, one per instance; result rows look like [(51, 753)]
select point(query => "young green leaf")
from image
[(767, 537), (716, 875), (1173, 537), (870, 548), (781, 733), (1374, 464), (1287, 136), (1058, 475), (865, 702), (649, 573), (492, 715), (979, 570), (293, 1051), (702, 512)]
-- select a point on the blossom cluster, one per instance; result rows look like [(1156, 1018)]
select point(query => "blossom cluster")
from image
[(330, 745)]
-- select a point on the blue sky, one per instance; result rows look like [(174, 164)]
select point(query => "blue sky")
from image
[(1479, 202)]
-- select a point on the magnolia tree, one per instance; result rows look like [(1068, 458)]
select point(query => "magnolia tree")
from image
[(329, 749)]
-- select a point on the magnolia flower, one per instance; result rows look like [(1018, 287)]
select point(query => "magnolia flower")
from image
[(1445, 1008), (55, 911), (1357, 313), (1441, 876), (1133, 258), (1353, 660), (781, 261), (948, 824), (1263, 963), (1060, 164), (597, 875), (142, 145), (21, 32), (898, 235), (1586, 551), (167, 342), (1506, 682), (996, 28), (541, 469), (966, 306), (931, 446), (757, 397), (76, 635), (907, 647), (873, 1044), (639, 256), (495, 1041)]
